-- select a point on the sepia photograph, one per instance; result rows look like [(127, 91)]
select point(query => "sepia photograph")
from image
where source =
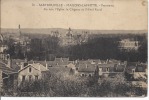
[(72, 48)]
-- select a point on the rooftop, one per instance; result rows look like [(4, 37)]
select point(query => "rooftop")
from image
[(6, 69)]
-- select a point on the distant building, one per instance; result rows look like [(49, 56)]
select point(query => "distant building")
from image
[(59, 62), (104, 68), (55, 33), (31, 72), (86, 70), (129, 44), (22, 40), (70, 37), (136, 71)]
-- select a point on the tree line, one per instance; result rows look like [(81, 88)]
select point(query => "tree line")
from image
[(48, 48)]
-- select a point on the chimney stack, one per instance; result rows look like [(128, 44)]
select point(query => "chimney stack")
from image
[(86, 66), (46, 65), (39, 66), (9, 61), (22, 65)]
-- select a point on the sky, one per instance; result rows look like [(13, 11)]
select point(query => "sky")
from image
[(125, 15)]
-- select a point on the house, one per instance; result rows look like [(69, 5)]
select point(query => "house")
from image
[(31, 72), (137, 71), (105, 69), (86, 70), (129, 44), (119, 68), (8, 77), (71, 65)]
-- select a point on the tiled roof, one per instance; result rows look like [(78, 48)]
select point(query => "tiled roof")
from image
[(6, 69), (86, 68), (41, 62), (132, 63), (129, 69), (140, 68), (54, 70), (84, 62), (106, 65), (114, 61), (119, 68), (37, 66)]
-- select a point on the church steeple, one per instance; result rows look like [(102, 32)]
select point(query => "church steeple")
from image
[(19, 27)]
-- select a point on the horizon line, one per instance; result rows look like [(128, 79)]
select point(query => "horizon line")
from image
[(84, 29)]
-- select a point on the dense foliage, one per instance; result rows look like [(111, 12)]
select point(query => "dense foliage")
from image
[(56, 86), (96, 48)]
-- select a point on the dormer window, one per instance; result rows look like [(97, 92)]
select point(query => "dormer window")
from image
[(30, 69)]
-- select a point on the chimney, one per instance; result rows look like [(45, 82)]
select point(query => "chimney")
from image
[(99, 61), (125, 62), (22, 65), (119, 63), (86, 65), (25, 60), (76, 61), (46, 65), (8, 61), (61, 59), (107, 61), (39, 67)]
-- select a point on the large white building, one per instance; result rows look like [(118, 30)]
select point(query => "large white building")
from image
[(71, 37), (128, 44)]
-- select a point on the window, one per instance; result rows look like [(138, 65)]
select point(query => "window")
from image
[(50, 65), (133, 70), (107, 69), (90, 75), (30, 70), (36, 77), (30, 77), (23, 78), (83, 75), (76, 68)]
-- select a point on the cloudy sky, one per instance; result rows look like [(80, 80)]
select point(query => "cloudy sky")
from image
[(125, 15)]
